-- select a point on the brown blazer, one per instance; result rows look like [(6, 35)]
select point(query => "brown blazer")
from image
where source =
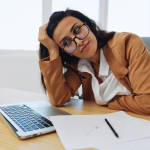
[(129, 60)]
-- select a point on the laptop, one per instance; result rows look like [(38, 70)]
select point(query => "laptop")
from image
[(30, 119)]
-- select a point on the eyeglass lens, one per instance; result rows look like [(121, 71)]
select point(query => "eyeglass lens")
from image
[(81, 34)]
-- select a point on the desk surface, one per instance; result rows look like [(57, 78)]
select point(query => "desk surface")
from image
[(49, 141)]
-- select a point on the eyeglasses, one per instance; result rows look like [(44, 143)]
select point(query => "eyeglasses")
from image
[(81, 33)]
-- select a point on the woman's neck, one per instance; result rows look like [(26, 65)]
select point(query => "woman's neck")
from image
[(95, 59)]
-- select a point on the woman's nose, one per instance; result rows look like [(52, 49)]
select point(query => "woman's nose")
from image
[(79, 42)]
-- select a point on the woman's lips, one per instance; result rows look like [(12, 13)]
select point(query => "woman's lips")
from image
[(85, 47)]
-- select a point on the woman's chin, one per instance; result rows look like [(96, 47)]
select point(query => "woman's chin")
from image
[(91, 54)]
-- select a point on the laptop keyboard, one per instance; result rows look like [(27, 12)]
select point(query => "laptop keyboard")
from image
[(26, 118)]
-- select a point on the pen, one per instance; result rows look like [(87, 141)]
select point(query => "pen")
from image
[(111, 128)]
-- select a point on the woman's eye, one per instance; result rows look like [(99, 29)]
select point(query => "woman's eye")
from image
[(76, 30), (66, 43)]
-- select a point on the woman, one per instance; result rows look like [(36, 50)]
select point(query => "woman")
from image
[(113, 68)]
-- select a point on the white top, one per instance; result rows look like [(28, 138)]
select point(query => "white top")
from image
[(110, 87)]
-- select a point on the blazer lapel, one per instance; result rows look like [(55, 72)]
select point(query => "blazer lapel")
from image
[(83, 74), (119, 70)]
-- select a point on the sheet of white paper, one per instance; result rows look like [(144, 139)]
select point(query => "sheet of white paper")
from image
[(85, 131), (142, 144)]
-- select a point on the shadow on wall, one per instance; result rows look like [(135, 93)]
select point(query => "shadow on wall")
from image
[(20, 71)]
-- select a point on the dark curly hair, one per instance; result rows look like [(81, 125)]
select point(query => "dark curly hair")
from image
[(101, 35)]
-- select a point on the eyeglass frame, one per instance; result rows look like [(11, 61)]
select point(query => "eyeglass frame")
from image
[(77, 38)]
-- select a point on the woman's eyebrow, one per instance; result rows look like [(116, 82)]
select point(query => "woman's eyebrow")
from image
[(70, 31)]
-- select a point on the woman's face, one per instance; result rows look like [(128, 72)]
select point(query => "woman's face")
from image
[(86, 48)]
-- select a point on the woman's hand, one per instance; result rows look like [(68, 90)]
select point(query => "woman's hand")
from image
[(48, 42)]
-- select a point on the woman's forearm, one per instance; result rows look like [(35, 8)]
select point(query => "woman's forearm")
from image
[(60, 87), (53, 55), (136, 103)]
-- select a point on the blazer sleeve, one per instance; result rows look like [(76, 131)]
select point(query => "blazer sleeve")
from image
[(60, 87), (138, 58)]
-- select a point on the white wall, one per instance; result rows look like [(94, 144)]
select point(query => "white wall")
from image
[(20, 70)]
